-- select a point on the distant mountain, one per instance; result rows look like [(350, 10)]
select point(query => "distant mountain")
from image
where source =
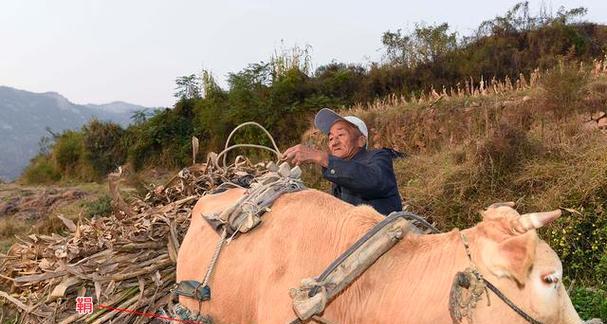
[(25, 116)]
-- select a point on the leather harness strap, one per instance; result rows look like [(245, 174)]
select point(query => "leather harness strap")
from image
[(312, 296)]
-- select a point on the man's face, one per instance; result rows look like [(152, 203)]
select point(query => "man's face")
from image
[(344, 140)]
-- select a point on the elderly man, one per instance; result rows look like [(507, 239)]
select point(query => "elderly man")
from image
[(358, 176)]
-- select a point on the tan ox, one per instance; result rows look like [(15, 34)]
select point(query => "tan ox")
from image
[(307, 230)]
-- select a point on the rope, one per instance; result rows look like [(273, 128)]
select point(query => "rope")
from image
[(204, 284), (245, 145), (227, 184), (315, 318), (510, 303), (215, 256), (228, 148)]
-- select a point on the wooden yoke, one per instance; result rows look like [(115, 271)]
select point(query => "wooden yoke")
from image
[(312, 296)]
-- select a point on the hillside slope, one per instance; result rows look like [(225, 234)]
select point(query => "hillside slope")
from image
[(25, 116), (540, 143)]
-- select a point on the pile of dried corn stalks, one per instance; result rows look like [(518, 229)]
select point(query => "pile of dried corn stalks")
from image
[(126, 260)]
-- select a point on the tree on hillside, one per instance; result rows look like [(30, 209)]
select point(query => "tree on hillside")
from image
[(424, 45), (341, 82), (188, 87), (433, 42), (45, 144), (103, 144), (295, 58), (518, 19), (399, 48), (567, 16), (209, 86), (139, 116)]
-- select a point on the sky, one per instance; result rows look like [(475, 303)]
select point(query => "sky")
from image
[(99, 51)]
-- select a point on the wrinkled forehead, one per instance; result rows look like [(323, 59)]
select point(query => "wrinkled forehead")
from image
[(340, 126)]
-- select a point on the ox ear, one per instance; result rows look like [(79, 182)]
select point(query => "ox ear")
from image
[(514, 257)]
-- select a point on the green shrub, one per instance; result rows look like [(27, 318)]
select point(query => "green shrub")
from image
[(164, 140), (67, 151), (100, 207), (590, 303), (580, 241), (103, 143), (41, 170)]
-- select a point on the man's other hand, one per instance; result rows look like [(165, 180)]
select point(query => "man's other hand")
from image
[(300, 154)]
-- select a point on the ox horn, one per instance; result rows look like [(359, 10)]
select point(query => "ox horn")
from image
[(502, 204), (536, 220)]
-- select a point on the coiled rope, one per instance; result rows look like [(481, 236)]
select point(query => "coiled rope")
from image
[(228, 148)]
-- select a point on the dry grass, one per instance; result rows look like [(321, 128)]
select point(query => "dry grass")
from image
[(425, 181), (8, 229), (450, 186), (39, 218), (465, 152), (574, 176)]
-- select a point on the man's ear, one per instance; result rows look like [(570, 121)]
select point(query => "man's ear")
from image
[(514, 257), (362, 140)]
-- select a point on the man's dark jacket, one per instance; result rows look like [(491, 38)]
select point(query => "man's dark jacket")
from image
[(368, 178)]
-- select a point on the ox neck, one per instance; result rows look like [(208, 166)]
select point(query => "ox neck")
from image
[(444, 249)]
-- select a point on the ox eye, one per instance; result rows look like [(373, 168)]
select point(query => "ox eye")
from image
[(550, 278)]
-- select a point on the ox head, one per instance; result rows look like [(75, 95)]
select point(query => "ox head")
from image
[(522, 265)]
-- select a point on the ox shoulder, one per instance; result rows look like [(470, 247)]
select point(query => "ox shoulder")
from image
[(311, 297)]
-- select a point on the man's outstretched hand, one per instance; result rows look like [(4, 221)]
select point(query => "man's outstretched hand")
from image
[(300, 154)]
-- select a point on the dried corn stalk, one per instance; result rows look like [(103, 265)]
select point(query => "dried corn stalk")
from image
[(125, 260)]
